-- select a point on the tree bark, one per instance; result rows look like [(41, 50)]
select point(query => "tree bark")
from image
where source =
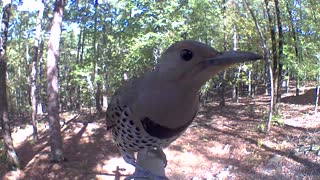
[(236, 79), (224, 75), (96, 59), (11, 154), (34, 75), (79, 58), (249, 83), (236, 86), (222, 89), (41, 86), (288, 76), (56, 142), (274, 55), (27, 71), (280, 55), (316, 98)]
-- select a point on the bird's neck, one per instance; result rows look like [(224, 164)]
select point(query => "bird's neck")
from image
[(172, 104)]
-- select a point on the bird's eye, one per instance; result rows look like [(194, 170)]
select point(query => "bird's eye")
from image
[(186, 54)]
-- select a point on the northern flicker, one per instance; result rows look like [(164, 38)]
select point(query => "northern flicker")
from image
[(152, 111)]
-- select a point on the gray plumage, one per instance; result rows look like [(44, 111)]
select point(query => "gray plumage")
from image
[(154, 110)]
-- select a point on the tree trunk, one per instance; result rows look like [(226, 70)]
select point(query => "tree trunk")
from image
[(34, 75), (249, 83), (268, 61), (316, 103), (18, 90), (11, 154), (274, 54), (265, 80), (255, 81), (96, 59), (224, 75), (28, 72), (33, 94), (280, 55), (41, 101), (77, 87), (287, 80), (222, 89), (316, 99), (297, 86), (296, 46), (79, 60), (56, 141), (271, 97), (234, 92), (235, 88)]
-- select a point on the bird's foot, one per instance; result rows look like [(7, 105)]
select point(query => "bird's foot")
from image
[(159, 152), (140, 174)]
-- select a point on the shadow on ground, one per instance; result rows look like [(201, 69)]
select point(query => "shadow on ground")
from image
[(221, 139), (229, 136), (87, 147), (307, 98)]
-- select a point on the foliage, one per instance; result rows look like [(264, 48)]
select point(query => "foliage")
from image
[(262, 127), (1, 149), (103, 42), (260, 143), (277, 120)]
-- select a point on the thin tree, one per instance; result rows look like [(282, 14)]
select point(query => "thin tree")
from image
[(280, 54), (274, 55), (296, 41), (316, 102), (317, 96), (34, 75), (11, 154), (96, 60), (266, 56), (223, 79), (79, 60), (56, 142)]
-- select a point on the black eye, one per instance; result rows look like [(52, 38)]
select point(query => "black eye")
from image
[(186, 54)]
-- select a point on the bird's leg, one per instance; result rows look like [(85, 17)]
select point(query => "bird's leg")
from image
[(151, 160), (160, 154), (147, 161), (140, 172), (130, 159), (163, 155)]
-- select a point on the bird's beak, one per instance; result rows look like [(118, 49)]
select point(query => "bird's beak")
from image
[(233, 57)]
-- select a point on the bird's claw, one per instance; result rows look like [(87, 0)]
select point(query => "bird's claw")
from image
[(159, 152), (143, 174)]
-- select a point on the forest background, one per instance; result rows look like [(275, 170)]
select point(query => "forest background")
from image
[(103, 43)]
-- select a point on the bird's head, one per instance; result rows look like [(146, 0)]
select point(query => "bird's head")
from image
[(194, 63)]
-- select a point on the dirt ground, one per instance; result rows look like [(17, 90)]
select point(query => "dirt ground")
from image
[(222, 143)]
